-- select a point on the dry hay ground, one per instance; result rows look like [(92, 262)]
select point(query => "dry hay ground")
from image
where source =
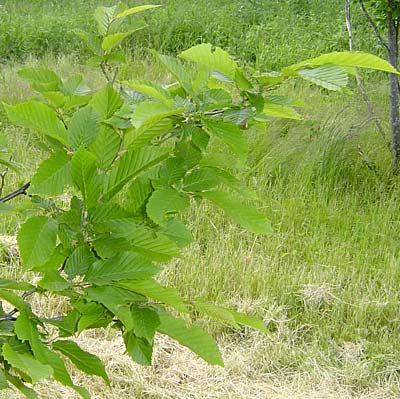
[(179, 374)]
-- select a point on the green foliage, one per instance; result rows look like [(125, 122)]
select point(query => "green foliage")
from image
[(131, 167)]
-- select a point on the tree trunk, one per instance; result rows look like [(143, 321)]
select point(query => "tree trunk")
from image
[(393, 31)]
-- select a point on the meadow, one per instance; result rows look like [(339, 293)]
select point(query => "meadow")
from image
[(326, 282)]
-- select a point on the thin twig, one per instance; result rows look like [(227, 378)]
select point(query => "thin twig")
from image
[(372, 24), (16, 193), (10, 315), (360, 85), (3, 180)]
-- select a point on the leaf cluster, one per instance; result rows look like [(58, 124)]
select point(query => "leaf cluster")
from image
[(132, 160)]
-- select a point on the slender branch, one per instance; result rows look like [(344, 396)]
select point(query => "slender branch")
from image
[(16, 193), (10, 315), (373, 25), (3, 180), (360, 85)]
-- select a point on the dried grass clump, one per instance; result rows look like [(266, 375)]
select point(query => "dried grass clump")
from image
[(179, 374)]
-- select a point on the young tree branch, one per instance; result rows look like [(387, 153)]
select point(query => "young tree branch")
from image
[(360, 85), (16, 193), (10, 315), (3, 180), (373, 25)]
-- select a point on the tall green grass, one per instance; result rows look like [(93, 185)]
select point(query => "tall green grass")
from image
[(327, 279), (267, 34)]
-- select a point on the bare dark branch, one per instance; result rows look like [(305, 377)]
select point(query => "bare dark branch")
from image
[(16, 193), (373, 25), (10, 315), (3, 180)]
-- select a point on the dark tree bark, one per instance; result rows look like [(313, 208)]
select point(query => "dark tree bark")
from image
[(393, 33)]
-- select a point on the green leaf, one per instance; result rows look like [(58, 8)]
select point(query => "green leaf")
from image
[(42, 79), (92, 313), (151, 89), (26, 330), (110, 41), (145, 322), (145, 134), (146, 119), (91, 41), (178, 232), (216, 312), (214, 99), (138, 349), (105, 213), (84, 361), (163, 202), (152, 289), (280, 111), (106, 102), (331, 77), (152, 245), (138, 192), (52, 175), (3, 380), (79, 261), (37, 241), (83, 171), (107, 245), (125, 265), (172, 171), (193, 337), (270, 78), (246, 216), (67, 325), (28, 392), (177, 70), (104, 16), (61, 374), (348, 59), (235, 184), (26, 363), (200, 180), (14, 300), (230, 134), (83, 127), (15, 285), (52, 281), (131, 164), (117, 300), (219, 60), (39, 117), (75, 85), (249, 321), (135, 10), (105, 147), (229, 316), (199, 137)]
